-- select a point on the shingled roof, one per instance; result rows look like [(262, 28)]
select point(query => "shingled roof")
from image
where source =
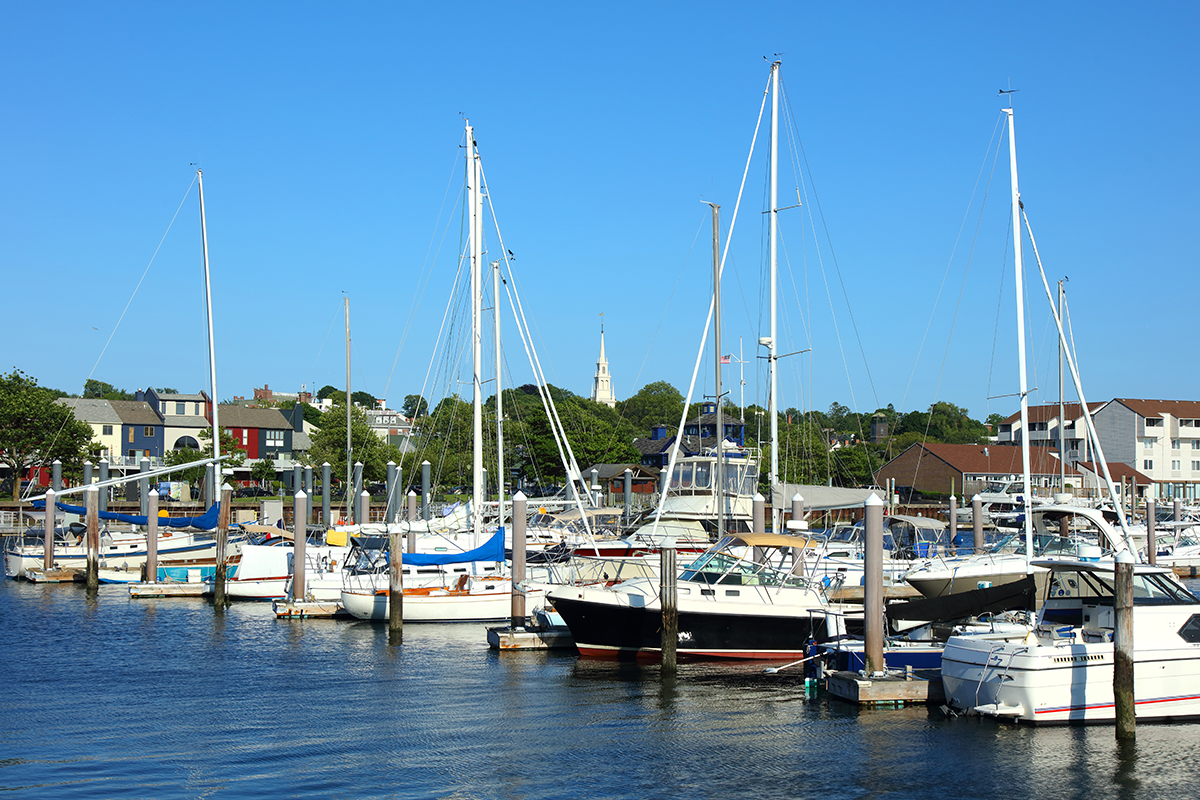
[(232, 416), (1180, 409), (135, 412), (974, 459), (1048, 412)]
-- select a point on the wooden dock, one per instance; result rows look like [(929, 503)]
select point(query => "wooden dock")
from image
[(168, 589), (506, 638), (854, 594), (41, 575), (1187, 572), (925, 687), (307, 609)]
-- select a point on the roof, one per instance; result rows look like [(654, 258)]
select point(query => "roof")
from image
[(727, 418), (1046, 413), (187, 421), (1118, 470), (91, 409), (232, 416), (185, 398), (135, 412), (301, 442), (1180, 409), (977, 459), (688, 445)]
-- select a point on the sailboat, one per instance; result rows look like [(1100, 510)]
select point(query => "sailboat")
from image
[(474, 595)]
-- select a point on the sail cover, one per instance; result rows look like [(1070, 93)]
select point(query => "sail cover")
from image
[(205, 522), (492, 550), (821, 498)]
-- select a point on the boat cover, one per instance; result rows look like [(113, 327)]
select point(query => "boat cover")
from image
[(960, 605), (492, 550), (821, 498), (205, 522)]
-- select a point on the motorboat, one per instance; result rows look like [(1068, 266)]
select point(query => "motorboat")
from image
[(1062, 672), (741, 599), (119, 549), (838, 556)]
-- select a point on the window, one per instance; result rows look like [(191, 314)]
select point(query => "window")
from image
[(1196, 466), (181, 408), (148, 432), (274, 438), (1147, 444), (106, 430), (1148, 464), (245, 436), (1174, 444), (1196, 444), (1155, 422), (1175, 464), (131, 434), (197, 412)]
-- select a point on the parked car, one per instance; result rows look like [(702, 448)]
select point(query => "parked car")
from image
[(253, 491)]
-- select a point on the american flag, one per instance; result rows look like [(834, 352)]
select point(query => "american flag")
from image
[(725, 359)]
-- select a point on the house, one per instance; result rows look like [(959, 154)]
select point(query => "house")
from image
[(100, 415), (1092, 479), (611, 478), (184, 416), (1159, 438), (391, 426), (699, 435), (262, 432), (968, 468), (142, 430), (1044, 429)]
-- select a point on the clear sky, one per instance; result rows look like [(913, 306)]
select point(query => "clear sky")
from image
[(329, 135)]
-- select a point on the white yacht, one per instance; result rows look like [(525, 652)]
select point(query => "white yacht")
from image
[(1063, 671)]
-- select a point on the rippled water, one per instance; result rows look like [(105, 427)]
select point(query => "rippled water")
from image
[(112, 697)]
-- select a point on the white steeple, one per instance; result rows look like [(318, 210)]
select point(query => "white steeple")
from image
[(602, 384)]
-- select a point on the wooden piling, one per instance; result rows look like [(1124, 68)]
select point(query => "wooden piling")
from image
[(151, 575), (977, 522), (411, 536), (326, 515), (395, 584), (519, 511), (1151, 544), (873, 586), (953, 523), (670, 608), (220, 600), (48, 529), (299, 545), (1123, 695), (363, 515), (92, 502)]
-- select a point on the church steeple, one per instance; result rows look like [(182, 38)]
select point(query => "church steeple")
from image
[(602, 383)]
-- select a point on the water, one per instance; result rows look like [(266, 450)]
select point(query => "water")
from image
[(109, 697)]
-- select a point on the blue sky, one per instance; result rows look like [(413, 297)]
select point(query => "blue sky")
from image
[(330, 135)]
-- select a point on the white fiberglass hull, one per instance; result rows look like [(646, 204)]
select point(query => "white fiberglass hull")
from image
[(486, 600), (124, 555)]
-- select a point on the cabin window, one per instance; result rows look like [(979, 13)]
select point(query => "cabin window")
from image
[(106, 430), (702, 477)]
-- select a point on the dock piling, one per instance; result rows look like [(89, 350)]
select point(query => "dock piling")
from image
[(425, 490), (220, 600), (1151, 544), (1123, 697), (873, 586), (389, 511), (103, 477), (92, 503), (151, 575), (953, 523), (48, 531), (670, 608), (299, 545), (395, 585), (519, 510), (977, 522), (326, 517)]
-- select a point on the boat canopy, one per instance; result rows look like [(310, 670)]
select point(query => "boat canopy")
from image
[(821, 498), (492, 550), (772, 540), (205, 522)]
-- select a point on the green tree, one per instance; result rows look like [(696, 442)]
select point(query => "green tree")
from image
[(312, 414), (263, 471), (364, 399), (328, 391), (329, 444), (414, 406), (34, 430), (95, 388), (654, 404)]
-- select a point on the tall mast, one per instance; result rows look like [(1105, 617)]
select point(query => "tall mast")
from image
[(1020, 290), (350, 498), (499, 399), (718, 468), (1062, 436), (773, 345), (475, 201), (212, 350)]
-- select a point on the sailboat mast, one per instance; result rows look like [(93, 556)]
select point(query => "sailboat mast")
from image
[(1019, 288), (773, 345), (212, 350), (350, 498), (1062, 436), (475, 201), (499, 398), (719, 467)]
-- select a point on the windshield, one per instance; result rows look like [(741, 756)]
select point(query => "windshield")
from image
[(732, 563)]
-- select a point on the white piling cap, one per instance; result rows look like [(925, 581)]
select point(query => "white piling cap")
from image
[(873, 500), (153, 492), (1123, 557), (300, 495), (797, 497), (758, 498), (519, 497), (976, 497)]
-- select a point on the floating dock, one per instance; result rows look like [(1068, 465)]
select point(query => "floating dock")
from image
[(922, 688), (854, 594), (553, 638), (41, 575), (168, 589), (307, 609)]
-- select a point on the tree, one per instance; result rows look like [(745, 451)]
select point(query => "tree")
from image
[(364, 399), (34, 430), (329, 444), (312, 414), (656, 403), (328, 391), (995, 420), (95, 388), (263, 471), (414, 406)]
